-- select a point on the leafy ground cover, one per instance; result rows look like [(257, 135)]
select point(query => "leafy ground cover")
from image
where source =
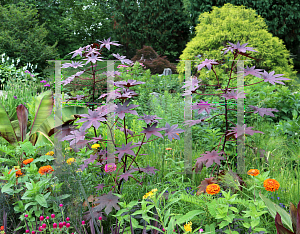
[(168, 190)]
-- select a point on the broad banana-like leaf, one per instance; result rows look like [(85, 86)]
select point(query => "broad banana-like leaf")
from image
[(43, 108), (22, 113), (6, 128)]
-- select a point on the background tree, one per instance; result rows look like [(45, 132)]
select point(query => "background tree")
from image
[(281, 16), (155, 23), (22, 37)]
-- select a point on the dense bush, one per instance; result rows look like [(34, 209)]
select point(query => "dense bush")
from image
[(153, 61), (235, 23)]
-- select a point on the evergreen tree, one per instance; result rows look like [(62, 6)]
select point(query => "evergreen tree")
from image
[(158, 23)]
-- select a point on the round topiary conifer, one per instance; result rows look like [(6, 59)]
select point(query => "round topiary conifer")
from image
[(232, 24)]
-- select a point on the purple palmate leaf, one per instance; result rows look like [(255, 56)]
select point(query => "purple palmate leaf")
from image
[(171, 131), (203, 106), (263, 111), (252, 71), (192, 83), (240, 48), (271, 78), (77, 52), (207, 63), (147, 169), (233, 94), (122, 109), (125, 149), (112, 73), (111, 95), (122, 59), (238, 131), (149, 119), (73, 64), (93, 59), (92, 118), (193, 122), (211, 157), (107, 43), (109, 200), (152, 130), (128, 83), (125, 176), (75, 136), (100, 186), (190, 91), (79, 145)]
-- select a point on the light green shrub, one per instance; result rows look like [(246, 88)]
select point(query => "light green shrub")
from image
[(235, 23)]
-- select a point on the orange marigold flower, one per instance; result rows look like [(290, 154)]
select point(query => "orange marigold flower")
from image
[(27, 161), (18, 173), (45, 169), (253, 172), (271, 185), (213, 189), (2, 228)]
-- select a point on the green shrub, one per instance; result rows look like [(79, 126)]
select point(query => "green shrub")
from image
[(235, 23)]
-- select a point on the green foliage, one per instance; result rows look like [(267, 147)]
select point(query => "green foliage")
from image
[(154, 23), (21, 36), (281, 17), (232, 23)]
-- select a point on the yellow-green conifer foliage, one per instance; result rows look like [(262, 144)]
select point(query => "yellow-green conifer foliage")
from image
[(235, 23)]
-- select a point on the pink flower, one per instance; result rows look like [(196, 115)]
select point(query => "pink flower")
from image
[(68, 225), (41, 218), (46, 85), (43, 81), (47, 217), (61, 205), (40, 228), (33, 232), (26, 215), (55, 225), (26, 71), (53, 216), (110, 167), (44, 225), (68, 219), (100, 218), (60, 225), (83, 222), (27, 231), (201, 230), (31, 75), (64, 223)]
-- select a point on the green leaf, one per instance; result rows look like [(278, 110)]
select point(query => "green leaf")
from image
[(30, 204), (188, 216), (43, 158), (7, 189), (273, 208), (6, 128), (41, 200), (166, 218)]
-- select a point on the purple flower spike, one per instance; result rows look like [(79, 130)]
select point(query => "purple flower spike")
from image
[(43, 81), (46, 85), (15, 97)]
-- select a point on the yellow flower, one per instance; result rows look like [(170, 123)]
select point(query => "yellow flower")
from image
[(188, 227), (68, 148), (50, 153), (79, 170), (95, 146), (150, 194), (70, 160)]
